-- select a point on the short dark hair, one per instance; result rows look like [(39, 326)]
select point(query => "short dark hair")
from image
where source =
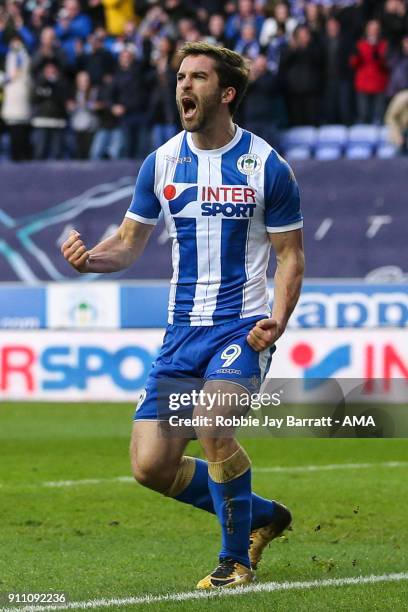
[(231, 68)]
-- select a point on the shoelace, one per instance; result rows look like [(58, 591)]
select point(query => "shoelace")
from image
[(225, 567)]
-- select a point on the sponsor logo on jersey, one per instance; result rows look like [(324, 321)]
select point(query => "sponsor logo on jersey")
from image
[(227, 200), (228, 210), (229, 193), (249, 164)]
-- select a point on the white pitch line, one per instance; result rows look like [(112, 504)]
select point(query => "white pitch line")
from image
[(266, 587), (56, 484), (85, 481), (275, 469), (332, 466)]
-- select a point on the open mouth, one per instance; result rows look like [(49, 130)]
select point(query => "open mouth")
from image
[(189, 107)]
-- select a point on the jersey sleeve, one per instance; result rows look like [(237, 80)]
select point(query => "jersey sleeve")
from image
[(145, 206), (282, 199)]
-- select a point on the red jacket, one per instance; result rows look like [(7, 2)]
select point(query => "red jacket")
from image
[(370, 70)]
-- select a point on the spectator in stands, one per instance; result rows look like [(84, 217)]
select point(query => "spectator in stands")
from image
[(322, 67), (394, 22), (107, 142), (187, 30), (38, 19), (216, 31), (263, 106), (248, 44), (49, 50), (83, 118), (302, 71), (156, 23), (117, 14), (72, 26), (370, 74), (132, 35), (164, 114), (11, 22), (95, 59), (275, 49), (245, 15), (398, 65), (177, 10), (205, 10), (49, 97), (338, 95), (47, 7), (16, 110), (396, 118), (192, 35), (131, 97), (280, 24), (314, 19), (95, 10)]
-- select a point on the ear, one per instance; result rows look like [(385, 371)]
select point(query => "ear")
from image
[(228, 95)]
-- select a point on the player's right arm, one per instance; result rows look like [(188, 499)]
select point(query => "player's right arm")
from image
[(121, 249), (115, 253)]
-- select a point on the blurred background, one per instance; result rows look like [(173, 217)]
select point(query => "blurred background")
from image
[(87, 90)]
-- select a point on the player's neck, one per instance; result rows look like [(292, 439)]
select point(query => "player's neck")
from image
[(215, 136)]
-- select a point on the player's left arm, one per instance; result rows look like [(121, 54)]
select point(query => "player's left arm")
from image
[(288, 247), (284, 222)]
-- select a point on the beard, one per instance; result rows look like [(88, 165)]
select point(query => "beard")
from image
[(207, 108)]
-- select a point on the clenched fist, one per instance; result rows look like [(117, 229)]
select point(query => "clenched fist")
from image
[(75, 252), (264, 334)]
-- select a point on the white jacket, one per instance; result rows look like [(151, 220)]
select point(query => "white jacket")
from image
[(270, 29), (16, 99)]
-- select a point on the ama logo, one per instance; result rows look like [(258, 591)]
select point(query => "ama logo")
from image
[(314, 373)]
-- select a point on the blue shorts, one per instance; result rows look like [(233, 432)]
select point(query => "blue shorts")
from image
[(190, 356)]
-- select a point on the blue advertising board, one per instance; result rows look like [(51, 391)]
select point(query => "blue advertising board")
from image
[(356, 215), (22, 307), (331, 305)]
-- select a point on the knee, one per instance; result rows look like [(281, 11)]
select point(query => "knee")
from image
[(153, 476)]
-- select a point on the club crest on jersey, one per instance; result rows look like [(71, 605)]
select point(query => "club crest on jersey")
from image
[(249, 164)]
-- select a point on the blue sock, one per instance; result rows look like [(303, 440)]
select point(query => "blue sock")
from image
[(232, 503), (197, 494)]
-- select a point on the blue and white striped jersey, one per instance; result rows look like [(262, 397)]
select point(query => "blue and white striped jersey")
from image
[(218, 207)]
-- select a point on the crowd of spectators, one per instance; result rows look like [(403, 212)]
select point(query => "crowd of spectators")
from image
[(96, 79)]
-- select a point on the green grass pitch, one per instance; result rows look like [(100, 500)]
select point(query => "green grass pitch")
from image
[(115, 539)]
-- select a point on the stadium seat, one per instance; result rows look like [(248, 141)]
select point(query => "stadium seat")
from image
[(299, 136), (336, 135), (296, 153), (361, 134), (328, 152), (384, 136), (387, 150), (359, 151)]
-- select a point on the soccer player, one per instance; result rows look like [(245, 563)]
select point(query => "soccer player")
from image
[(226, 197)]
